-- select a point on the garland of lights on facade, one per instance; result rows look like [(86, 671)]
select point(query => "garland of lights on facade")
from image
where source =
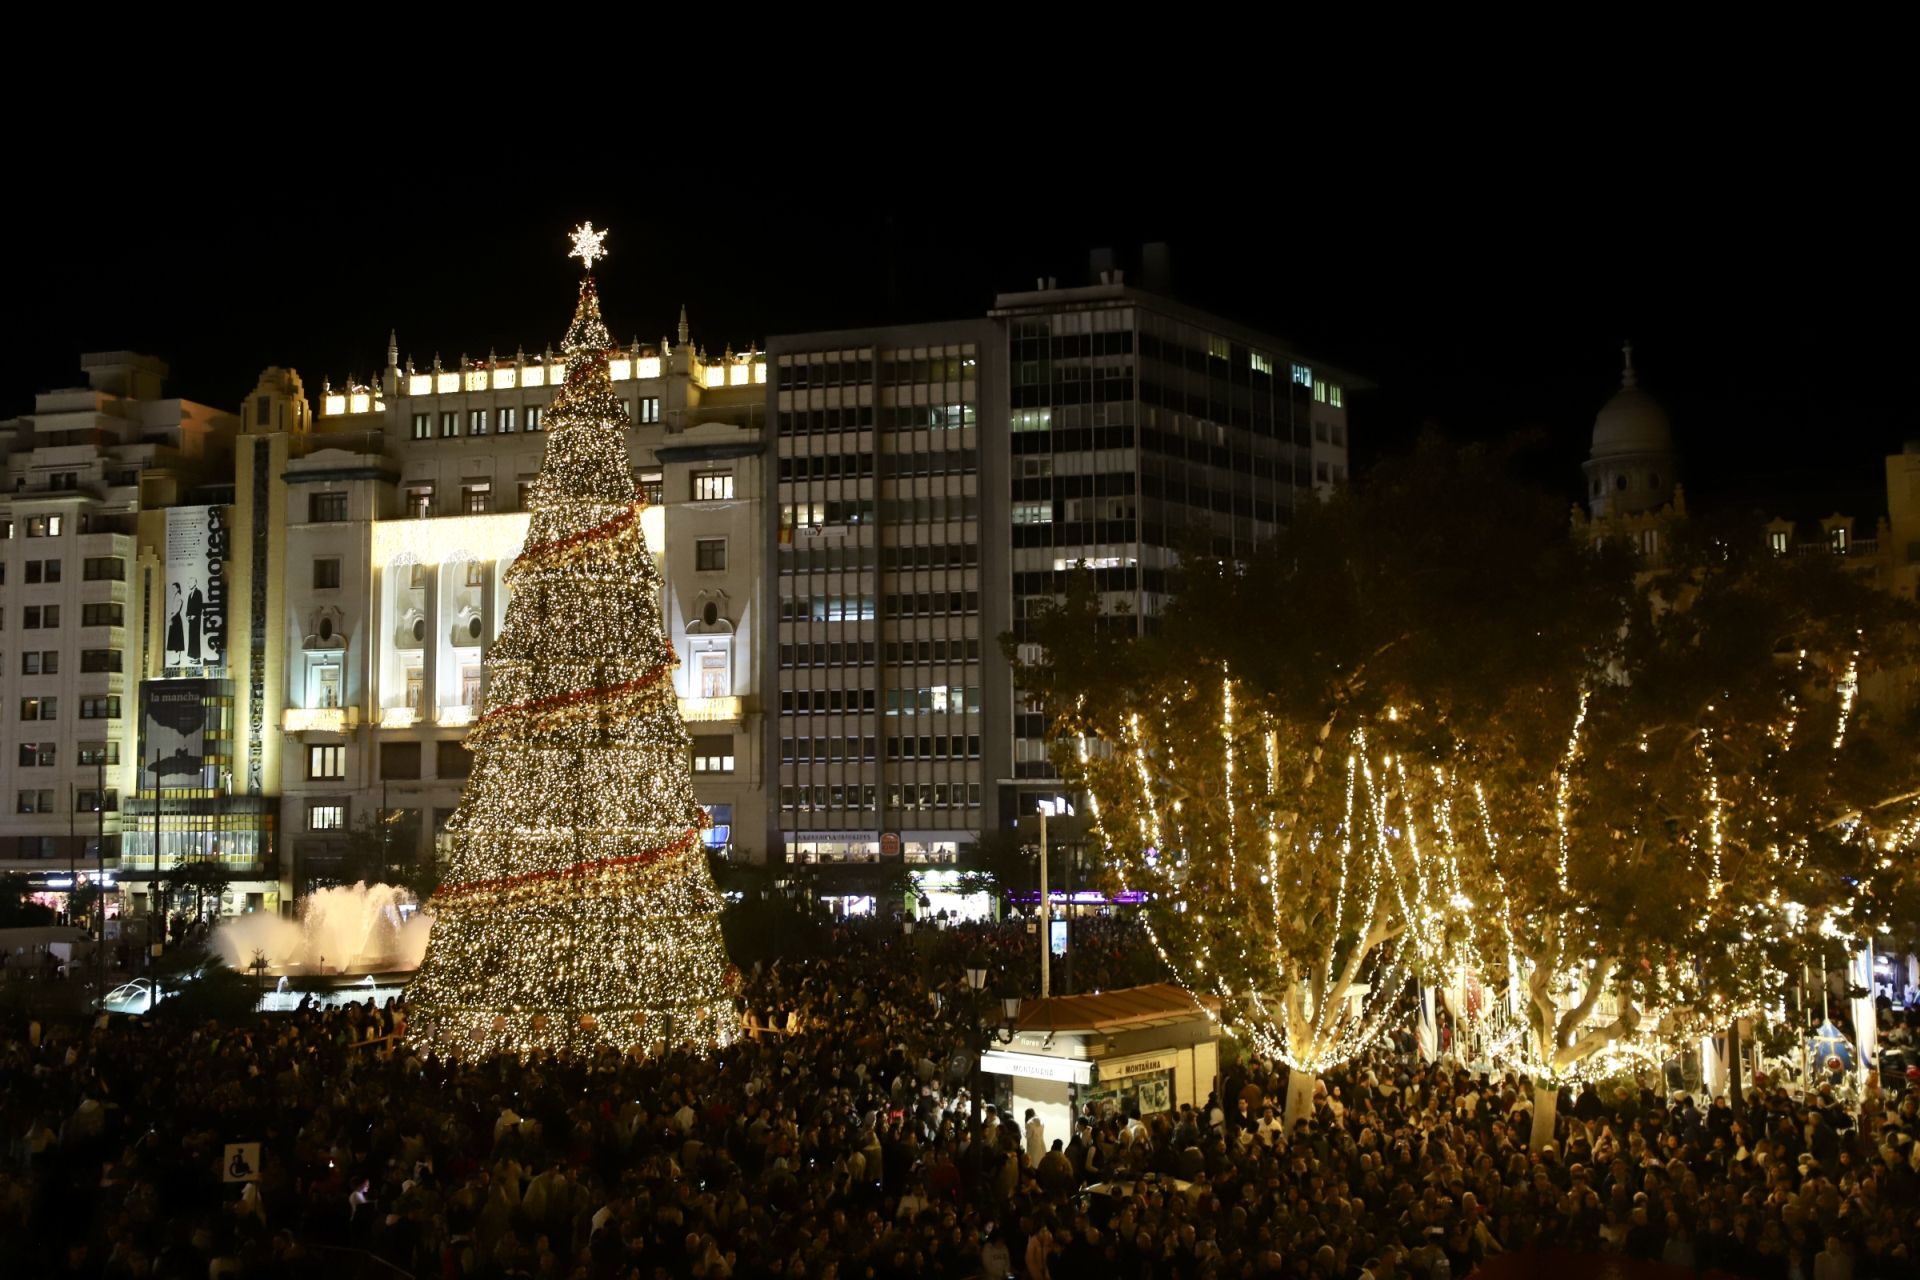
[(578, 912)]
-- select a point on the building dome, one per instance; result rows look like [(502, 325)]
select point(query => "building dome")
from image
[(1631, 422)]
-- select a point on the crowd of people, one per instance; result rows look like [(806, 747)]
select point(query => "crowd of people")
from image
[(842, 1141)]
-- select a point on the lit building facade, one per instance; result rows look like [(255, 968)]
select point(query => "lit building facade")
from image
[(884, 654), (401, 519), (95, 474), (1134, 424), (936, 482)]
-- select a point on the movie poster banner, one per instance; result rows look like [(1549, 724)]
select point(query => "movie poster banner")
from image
[(196, 590), (173, 734)]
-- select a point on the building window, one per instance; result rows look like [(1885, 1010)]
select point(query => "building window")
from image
[(651, 487), (35, 801), (476, 497), (1333, 395), (1303, 375), (43, 571), (399, 761), (39, 708), (477, 422), (326, 508), (417, 501), (1777, 540), (327, 763), (36, 616), (476, 573), (43, 526), (712, 486), (97, 660), (533, 418), (453, 760), (710, 553), (89, 801), (650, 408), (103, 708), (506, 422), (40, 662), (471, 679), (1837, 539), (37, 755), (98, 753), (713, 753), (422, 426), (103, 569), (326, 815), (449, 424), (323, 682), (102, 615), (1033, 513), (326, 573)]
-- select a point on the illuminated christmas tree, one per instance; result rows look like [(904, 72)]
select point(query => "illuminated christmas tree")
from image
[(577, 911)]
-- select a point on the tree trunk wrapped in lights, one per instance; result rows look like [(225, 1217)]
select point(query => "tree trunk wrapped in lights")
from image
[(578, 911)]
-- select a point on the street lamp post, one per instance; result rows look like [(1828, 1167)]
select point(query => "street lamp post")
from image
[(988, 1034), (1050, 806)]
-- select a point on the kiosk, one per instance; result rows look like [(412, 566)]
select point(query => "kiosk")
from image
[(1136, 1051)]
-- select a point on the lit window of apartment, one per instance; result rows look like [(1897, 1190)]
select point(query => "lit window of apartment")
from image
[(652, 487), (423, 426), (533, 418), (43, 526), (650, 408), (1320, 393), (1333, 395), (477, 422), (1838, 539), (326, 573), (713, 753), (1033, 513), (1778, 541), (327, 763), (712, 486), (326, 815), (1259, 362), (39, 708), (417, 501), (476, 497), (90, 801), (449, 424), (326, 508), (1303, 375), (506, 421), (710, 554)]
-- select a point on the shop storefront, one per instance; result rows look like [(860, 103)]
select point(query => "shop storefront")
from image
[(1135, 1052)]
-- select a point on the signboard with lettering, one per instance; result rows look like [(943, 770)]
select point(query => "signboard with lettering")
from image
[(1128, 1068), (1037, 1066), (196, 588), (173, 734)]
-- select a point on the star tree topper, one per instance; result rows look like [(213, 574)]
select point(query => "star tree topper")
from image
[(586, 244)]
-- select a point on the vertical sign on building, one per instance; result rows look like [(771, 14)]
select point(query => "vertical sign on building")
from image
[(195, 599)]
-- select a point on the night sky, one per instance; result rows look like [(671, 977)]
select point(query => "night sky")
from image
[(1483, 301)]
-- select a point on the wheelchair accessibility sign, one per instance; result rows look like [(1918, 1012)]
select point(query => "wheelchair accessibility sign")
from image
[(241, 1162)]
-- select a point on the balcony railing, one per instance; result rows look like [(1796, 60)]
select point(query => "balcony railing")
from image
[(709, 710), (320, 719)]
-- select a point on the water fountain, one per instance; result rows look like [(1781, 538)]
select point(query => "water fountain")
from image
[(352, 941)]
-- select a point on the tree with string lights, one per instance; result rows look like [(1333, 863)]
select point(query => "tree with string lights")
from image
[(577, 910), (1427, 732)]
